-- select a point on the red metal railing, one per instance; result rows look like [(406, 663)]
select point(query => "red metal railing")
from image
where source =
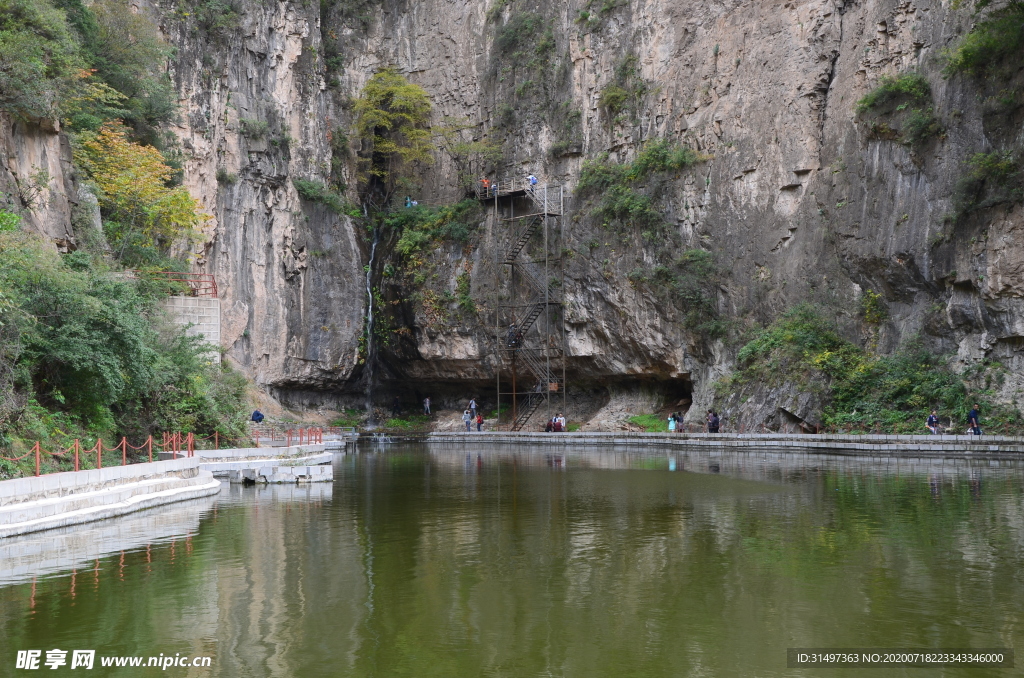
[(199, 284), (177, 443)]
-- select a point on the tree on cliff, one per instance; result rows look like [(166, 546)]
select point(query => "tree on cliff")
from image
[(143, 212), (392, 116)]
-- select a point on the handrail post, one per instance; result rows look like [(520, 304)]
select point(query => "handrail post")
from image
[(149, 444), (36, 449), (216, 440), (124, 451), (191, 444), (99, 453), (77, 447)]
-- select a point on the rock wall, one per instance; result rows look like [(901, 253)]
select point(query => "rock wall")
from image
[(799, 200)]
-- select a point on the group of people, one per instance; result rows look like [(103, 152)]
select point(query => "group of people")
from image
[(490, 188), (471, 416), (556, 424), (973, 422), (675, 422)]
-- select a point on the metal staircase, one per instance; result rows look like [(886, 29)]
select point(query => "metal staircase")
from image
[(529, 289)]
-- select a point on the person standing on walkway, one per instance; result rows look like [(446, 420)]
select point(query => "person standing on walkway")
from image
[(426, 406), (974, 420), (933, 422), (466, 419), (479, 422), (672, 423), (714, 423), (472, 407), (531, 182)]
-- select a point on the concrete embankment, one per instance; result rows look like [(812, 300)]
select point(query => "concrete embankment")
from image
[(978, 447), (230, 463), (63, 499)]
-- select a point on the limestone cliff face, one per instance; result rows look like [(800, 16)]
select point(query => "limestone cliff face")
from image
[(799, 200)]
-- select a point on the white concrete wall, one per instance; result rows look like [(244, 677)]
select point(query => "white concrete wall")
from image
[(201, 314), (64, 499)]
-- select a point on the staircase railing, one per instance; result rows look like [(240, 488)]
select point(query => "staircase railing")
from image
[(518, 240)]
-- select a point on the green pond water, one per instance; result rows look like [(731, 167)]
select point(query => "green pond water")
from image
[(501, 561)]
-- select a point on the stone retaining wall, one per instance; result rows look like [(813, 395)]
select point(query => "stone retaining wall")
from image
[(895, 445)]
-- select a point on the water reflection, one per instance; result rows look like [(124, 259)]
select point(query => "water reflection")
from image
[(36, 555), (455, 560)]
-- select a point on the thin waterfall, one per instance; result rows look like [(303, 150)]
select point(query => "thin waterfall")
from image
[(370, 347)]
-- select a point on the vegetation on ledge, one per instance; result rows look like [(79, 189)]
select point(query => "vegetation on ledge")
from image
[(997, 41), (620, 201), (860, 391), (900, 109)]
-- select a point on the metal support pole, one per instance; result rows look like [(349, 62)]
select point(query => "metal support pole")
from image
[(547, 309)]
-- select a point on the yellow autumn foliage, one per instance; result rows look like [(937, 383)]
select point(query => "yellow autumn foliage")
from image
[(133, 183)]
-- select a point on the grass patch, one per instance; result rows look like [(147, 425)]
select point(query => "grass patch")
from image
[(650, 423), (253, 129), (353, 418), (410, 423)]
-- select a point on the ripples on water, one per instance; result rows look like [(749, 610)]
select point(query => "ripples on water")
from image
[(501, 561)]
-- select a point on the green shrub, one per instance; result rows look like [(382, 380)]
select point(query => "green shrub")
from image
[(859, 390), (505, 115), (463, 293), (225, 177), (905, 87), (315, 191), (997, 39), (920, 125), (613, 98), (89, 348), (40, 59), (422, 225), (991, 179), (216, 18), (899, 100), (518, 34), (9, 221), (253, 129), (621, 201)]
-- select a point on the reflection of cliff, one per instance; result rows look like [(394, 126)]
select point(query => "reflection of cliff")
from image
[(293, 574), (508, 564)]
